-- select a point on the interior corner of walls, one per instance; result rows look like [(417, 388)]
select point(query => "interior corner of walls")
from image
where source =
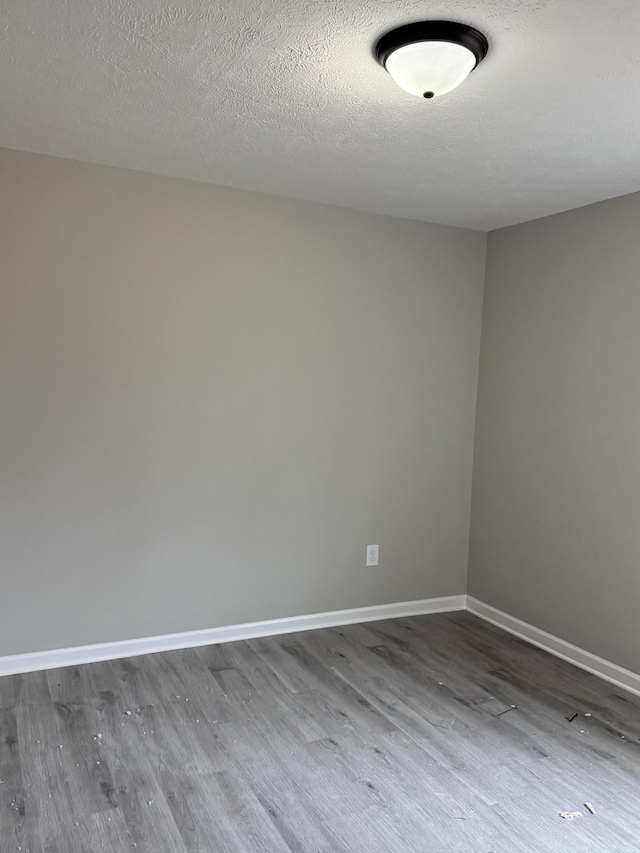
[(583, 659), (475, 413)]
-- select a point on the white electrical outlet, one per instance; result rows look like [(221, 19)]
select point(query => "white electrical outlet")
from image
[(372, 555)]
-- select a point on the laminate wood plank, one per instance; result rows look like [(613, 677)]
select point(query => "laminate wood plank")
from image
[(297, 821), (13, 803), (220, 812)]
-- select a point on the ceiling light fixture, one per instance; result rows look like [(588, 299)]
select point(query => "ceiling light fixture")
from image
[(431, 58)]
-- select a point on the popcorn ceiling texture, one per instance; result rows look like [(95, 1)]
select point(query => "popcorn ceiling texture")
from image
[(284, 96)]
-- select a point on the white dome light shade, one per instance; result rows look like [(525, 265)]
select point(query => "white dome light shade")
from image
[(431, 58), (430, 68)]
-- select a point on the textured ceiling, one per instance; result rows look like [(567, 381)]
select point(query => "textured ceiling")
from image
[(284, 96)]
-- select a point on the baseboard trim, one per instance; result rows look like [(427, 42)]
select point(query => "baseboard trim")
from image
[(54, 658), (554, 645), (33, 661)]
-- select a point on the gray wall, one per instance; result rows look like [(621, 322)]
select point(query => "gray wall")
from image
[(555, 533), (212, 401)]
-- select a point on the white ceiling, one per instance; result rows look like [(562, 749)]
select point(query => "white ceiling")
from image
[(284, 96)]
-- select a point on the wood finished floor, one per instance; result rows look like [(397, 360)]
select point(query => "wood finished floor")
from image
[(380, 738)]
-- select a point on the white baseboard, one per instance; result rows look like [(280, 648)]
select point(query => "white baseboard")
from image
[(554, 645), (32, 661)]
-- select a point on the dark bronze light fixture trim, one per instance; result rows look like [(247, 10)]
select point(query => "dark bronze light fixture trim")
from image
[(428, 59)]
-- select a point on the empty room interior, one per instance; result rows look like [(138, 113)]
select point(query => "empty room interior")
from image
[(320, 426)]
